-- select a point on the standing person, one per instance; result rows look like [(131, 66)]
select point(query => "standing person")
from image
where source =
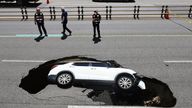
[(96, 18), (64, 20), (39, 20)]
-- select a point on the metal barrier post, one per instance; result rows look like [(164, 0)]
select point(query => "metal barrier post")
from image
[(78, 11), (54, 13), (82, 15), (106, 12), (138, 9), (22, 12), (162, 12), (166, 14), (50, 10), (110, 12), (26, 15), (190, 10), (134, 12)]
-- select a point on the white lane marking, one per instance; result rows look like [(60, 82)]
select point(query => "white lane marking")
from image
[(178, 61), (80, 106), (118, 35), (40, 61), (23, 61), (7, 36)]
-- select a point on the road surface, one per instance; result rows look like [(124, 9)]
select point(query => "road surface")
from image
[(155, 48)]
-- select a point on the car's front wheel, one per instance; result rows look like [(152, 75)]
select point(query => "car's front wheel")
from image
[(124, 82), (64, 80)]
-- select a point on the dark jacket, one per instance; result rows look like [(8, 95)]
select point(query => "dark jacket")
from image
[(39, 18), (96, 18), (64, 17)]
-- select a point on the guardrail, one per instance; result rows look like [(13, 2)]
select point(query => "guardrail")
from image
[(107, 12)]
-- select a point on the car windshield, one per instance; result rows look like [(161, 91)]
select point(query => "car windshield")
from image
[(113, 64)]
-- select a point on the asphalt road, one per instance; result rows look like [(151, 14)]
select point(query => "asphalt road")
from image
[(155, 48)]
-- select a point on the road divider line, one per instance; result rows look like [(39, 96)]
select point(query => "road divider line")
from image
[(86, 35), (36, 35), (23, 61), (7, 36), (108, 35), (178, 61), (81, 106), (42, 61)]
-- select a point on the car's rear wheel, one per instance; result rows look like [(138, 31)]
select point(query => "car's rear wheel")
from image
[(64, 80), (124, 82)]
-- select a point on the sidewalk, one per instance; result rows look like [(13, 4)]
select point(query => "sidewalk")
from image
[(75, 3)]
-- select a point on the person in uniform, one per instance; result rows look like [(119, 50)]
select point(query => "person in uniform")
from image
[(39, 21), (64, 20), (96, 18)]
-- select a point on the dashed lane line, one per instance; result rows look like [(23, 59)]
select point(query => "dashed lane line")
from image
[(178, 61), (42, 61), (23, 61)]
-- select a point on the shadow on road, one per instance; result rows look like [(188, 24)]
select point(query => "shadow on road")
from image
[(39, 38), (96, 40), (64, 37)]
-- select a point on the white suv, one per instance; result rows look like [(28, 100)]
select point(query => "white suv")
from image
[(94, 74)]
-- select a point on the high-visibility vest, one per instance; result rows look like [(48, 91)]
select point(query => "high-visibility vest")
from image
[(39, 17), (96, 18)]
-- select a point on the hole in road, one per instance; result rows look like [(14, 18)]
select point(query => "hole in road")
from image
[(156, 93)]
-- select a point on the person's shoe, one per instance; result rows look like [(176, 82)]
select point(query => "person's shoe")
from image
[(46, 35), (70, 33)]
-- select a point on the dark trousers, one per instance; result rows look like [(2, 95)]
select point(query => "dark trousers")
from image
[(96, 27), (190, 14), (65, 28), (43, 27)]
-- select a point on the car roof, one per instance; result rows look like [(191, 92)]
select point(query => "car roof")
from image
[(111, 63), (86, 62)]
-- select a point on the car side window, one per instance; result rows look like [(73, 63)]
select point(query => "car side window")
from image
[(81, 64), (99, 65)]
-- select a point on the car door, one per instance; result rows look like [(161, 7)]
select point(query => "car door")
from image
[(81, 70), (99, 71)]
